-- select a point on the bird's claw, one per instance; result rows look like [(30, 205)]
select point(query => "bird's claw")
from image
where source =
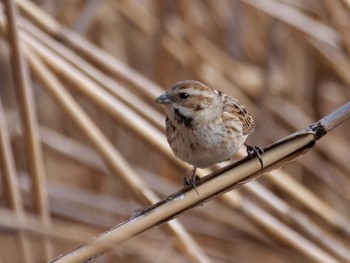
[(192, 181), (255, 151)]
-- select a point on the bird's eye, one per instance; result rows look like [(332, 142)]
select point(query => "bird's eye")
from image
[(183, 95)]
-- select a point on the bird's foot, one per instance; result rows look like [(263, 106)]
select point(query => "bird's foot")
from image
[(255, 151), (193, 180)]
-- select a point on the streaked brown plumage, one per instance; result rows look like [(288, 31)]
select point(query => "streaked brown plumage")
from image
[(204, 126)]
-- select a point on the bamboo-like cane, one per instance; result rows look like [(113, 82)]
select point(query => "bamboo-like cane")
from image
[(217, 183), (27, 106)]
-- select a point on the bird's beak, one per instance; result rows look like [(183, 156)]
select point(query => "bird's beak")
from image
[(164, 99)]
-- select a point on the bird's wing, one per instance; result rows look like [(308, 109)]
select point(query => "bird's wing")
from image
[(233, 106)]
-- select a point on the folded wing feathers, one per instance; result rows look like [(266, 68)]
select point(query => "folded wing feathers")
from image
[(236, 108)]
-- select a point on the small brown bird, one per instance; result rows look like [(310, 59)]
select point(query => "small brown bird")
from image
[(205, 126)]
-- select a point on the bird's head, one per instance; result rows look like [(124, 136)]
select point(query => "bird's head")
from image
[(191, 99)]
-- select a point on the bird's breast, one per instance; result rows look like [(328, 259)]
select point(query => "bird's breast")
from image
[(204, 144)]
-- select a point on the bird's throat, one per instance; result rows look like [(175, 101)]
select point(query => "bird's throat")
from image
[(182, 119)]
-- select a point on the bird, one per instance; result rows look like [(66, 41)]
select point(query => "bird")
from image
[(205, 126)]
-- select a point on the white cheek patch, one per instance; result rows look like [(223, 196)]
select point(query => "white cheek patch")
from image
[(182, 110), (185, 111)]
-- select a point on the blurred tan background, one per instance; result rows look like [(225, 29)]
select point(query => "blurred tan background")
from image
[(287, 61)]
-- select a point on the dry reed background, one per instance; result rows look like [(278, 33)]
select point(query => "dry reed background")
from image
[(287, 61)]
